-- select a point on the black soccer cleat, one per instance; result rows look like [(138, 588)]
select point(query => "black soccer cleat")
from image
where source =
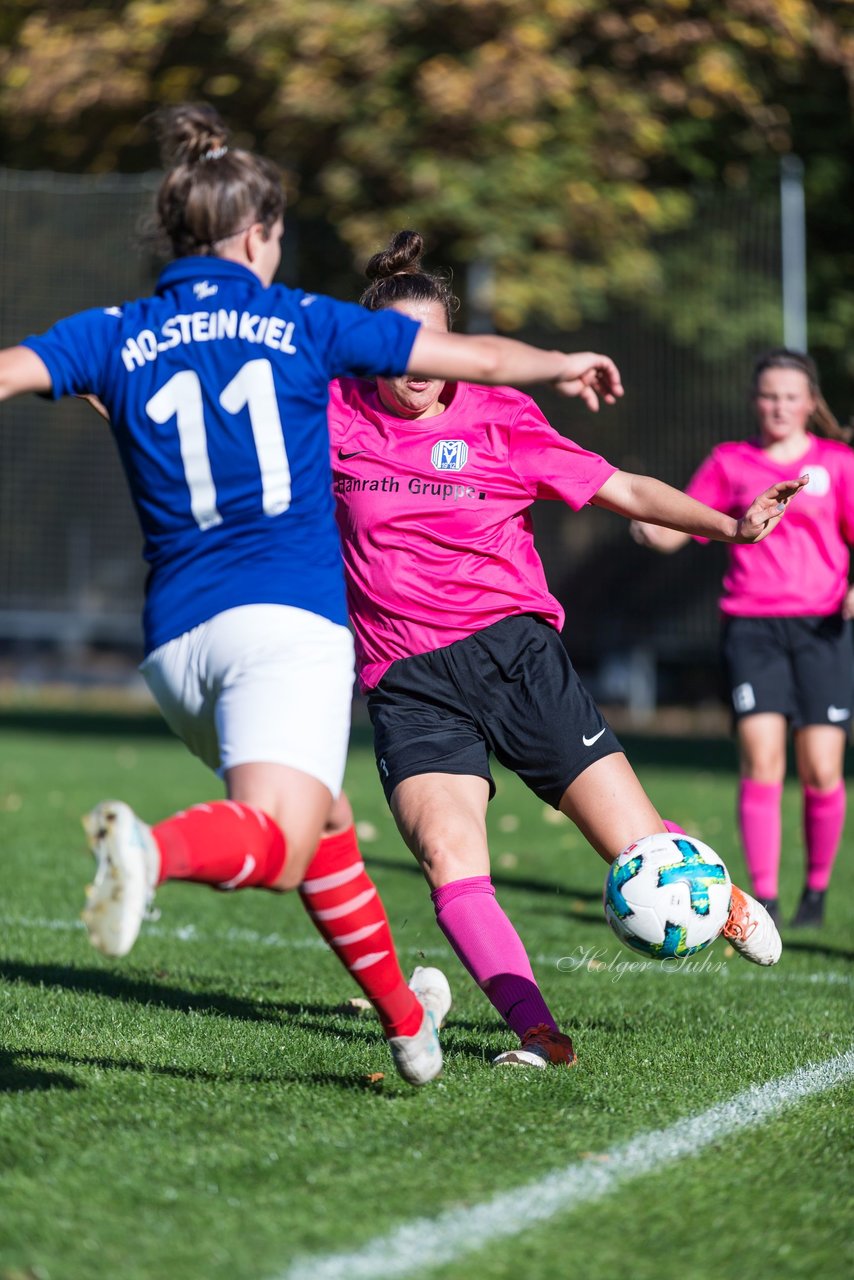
[(810, 912), (772, 906)]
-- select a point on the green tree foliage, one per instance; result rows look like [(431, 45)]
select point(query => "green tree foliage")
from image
[(559, 140)]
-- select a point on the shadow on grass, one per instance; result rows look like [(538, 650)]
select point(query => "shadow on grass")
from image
[(191, 1074), (18, 1077), (325, 1020), (462, 1038), (816, 949), (362, 1025), (116, 986)]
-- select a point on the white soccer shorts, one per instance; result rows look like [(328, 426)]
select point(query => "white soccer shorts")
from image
[(263, 683)]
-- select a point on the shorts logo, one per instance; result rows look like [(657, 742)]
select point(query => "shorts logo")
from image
[(837, 714), (819, 481), (449, 455), (588, 742), (383, 765), (743, 697)]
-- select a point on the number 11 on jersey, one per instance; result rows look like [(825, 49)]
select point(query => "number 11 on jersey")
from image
[(251, 388)]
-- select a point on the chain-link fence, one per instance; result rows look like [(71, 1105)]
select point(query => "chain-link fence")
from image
[(70, 564), (71, 573)]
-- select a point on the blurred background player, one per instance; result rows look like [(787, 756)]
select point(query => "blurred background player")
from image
[(786, 635), (457, 634), (216, 391)]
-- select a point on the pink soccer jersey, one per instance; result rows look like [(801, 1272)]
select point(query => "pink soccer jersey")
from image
[(801, 568), (435, 515)]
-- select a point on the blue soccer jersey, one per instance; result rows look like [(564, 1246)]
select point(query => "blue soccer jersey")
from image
[(216, 389)]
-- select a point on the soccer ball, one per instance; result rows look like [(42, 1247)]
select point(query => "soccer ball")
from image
[(667, 896)]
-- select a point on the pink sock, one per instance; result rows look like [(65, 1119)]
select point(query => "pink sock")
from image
[(674, 828), (760, 826), (824, 818), (490, 948)]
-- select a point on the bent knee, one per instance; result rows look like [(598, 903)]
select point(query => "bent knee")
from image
[(294, 871), (818, 779), (443, 864), (288, 880)]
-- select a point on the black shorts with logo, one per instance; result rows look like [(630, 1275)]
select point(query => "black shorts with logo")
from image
[(802, 668), (509, 690)]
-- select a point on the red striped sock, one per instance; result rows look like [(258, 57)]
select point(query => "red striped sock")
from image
[(347, 911), (226, 844)]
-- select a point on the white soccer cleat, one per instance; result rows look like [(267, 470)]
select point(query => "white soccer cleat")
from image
[(751, 931), (433, 990), (128, 860), (418, 1058)]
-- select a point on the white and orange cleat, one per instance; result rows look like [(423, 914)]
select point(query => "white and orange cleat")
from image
[(121, 894), (751, 931)]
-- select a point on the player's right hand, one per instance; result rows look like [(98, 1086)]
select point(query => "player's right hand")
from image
[(591, 377)]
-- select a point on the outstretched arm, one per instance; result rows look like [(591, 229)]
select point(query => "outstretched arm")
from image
[(651, 502), (481, 357), (21, 370)]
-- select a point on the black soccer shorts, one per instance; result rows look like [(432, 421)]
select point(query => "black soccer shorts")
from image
[(801, 668), (510, 691)]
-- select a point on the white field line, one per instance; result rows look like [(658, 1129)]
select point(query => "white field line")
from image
[(252, 938), (423, 1244)]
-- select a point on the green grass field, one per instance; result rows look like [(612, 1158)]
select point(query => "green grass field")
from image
[(205, 1109)]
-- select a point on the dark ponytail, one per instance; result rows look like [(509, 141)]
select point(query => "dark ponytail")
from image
[(211, 191)]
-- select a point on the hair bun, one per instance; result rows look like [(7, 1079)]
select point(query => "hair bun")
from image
[(402, 257), (189, 134)]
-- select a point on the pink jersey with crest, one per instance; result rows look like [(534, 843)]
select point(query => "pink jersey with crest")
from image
[(801, 568), (435, 515)]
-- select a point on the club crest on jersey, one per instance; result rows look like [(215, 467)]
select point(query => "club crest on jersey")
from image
[(819, 481), (449, 455)]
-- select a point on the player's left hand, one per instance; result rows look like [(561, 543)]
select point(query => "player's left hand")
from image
[(96, 405), (591, 377), (766, 511), (848, 604)]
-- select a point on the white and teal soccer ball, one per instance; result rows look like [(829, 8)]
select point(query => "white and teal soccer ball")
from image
[(667, 896)]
